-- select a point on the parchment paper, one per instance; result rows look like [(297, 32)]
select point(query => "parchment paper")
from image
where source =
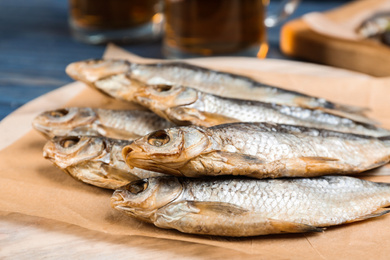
[(31, 185), (344, 27)]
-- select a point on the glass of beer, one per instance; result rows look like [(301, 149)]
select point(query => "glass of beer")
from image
[(122, 21), (196, 28)]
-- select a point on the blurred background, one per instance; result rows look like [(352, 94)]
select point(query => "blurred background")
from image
[(36, 45)]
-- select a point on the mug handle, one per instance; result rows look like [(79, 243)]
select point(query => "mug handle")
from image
[(286, 8)]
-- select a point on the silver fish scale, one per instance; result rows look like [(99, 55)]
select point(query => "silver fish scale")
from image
[(240, 110), (244, 113), (138, 122), (250, 111), (315, 201), (267, 145), (218, 83), (270, 145), (210, 81)]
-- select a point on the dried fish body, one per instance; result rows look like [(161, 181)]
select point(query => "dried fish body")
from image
[(103, 74), (259, 150), (250, 207), (94, 160), (184, 106), (120, 124)]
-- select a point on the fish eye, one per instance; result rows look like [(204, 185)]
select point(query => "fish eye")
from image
[(69, 142), (163, 88), (59, 113), (138, 186), (158, 138)]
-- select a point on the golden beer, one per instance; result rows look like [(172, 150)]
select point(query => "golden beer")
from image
[(213, 27), (112, 19)]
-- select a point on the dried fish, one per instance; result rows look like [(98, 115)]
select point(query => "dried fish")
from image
[(259, 150), (94, 160), (115, 75), (185, 106), (250, 207), (120, 124)]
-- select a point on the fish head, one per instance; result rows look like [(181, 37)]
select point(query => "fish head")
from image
[(167, 150), (141, 198), (162, 97), (71, 150), (91, 160), (89, 71), (62, 122)]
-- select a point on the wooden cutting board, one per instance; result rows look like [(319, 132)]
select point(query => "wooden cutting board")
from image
[(298, 40)]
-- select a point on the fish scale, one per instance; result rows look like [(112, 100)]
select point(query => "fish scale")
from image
[(118, 78), (184, 105), (120, 124), (279, 200), (267, 144), (140, 122), (245, 207)]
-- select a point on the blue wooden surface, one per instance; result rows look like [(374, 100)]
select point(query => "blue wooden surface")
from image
[(36, 46)]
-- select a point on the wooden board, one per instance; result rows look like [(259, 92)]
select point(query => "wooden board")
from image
[(298, 40)]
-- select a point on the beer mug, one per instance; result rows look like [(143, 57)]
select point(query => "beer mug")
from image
[(123, 21), (195, 28)]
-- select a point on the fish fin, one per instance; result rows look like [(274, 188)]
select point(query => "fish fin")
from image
[(216, 163), (117, 133), (293, 227), (315, 160), (217, 207), (314, 166), (186, 115), (377, 213), (119, 174), (237, 158), (213, 119)]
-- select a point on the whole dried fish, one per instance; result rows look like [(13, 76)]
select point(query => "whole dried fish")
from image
[(250, 207), (94, 160), (120, 124), (117, 74), (185, 106), (259, 150)]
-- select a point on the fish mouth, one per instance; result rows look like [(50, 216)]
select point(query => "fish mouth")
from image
[(131, 154), (118, 202), (135, 158), (45, 130), (48, 150), (47, 154)]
